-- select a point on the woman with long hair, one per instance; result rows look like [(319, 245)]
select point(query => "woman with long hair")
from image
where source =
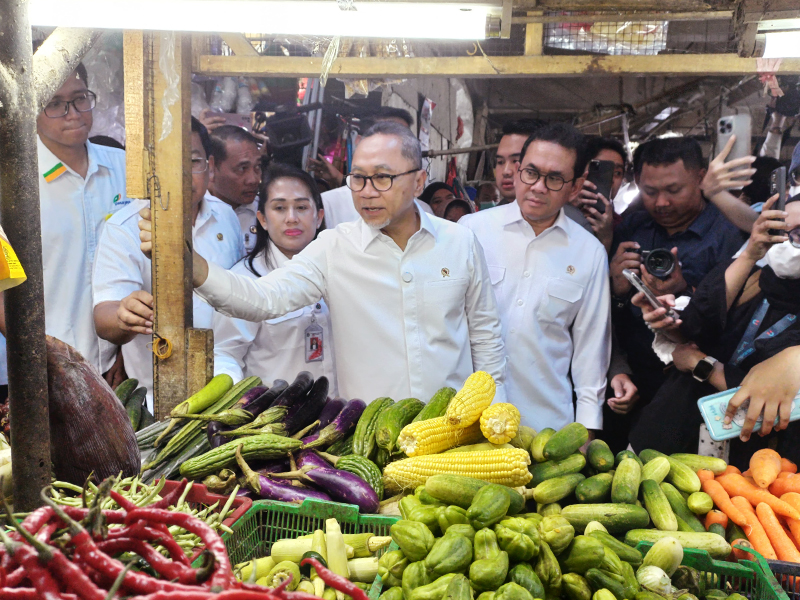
[(290, 214)]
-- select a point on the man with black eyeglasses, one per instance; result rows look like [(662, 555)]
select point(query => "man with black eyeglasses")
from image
[(411, 305), (81, 185), (550, 277)]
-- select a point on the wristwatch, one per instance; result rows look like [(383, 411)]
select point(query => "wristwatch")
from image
[(703, 369)]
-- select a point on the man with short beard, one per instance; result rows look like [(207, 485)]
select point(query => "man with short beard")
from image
[(410, 299)]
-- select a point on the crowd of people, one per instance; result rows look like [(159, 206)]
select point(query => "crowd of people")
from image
[(391, 287)]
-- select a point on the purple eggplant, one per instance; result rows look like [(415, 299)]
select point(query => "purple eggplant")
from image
[(271, 489), (254, 401), (299, 388), (341, 485), (306, 410), (214, 428), (309, 458), (267, 467), (339, 427), (332, 408)]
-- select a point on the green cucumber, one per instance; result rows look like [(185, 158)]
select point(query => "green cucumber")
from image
[(594, 489), (697, 462), (626, 454), (364, 435), (557, 488), (459, 490), (658, 506), (566, 441), (134, 407), (599, 455), (538, 444), (392, 420), (649, 454), (616, 518), (555, 468), (625, 552), (625, 486), (125, 389), (437, 405), (712, 543)]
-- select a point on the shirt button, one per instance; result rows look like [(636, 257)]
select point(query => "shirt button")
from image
[(513, 331), (527, 273), (520, 302), (219, 237), (407, 277)]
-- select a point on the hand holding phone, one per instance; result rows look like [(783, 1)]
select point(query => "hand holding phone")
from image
[(601, 174), (777, 185), (633, 278)]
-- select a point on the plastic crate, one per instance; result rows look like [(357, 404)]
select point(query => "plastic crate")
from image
[(787, 574), (748, 578), (268, 521)]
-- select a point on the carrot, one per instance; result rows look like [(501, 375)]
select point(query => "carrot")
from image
[(704, 474), (784, 475), (747, 473), (784, 485), (793, 499), (741, 554), (754, 531), (731, 469), (765, 464), (784, 547), (716, 516), (737, 485), (723, 502), (788, 466)]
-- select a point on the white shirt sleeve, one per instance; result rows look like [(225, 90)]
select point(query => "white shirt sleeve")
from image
[(299, 283), (591, 335), (486, 342), (232, 339), (118, 265)]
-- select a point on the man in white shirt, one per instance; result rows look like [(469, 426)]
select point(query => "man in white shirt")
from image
[(410, 300), (122, 286), (81, 185), (236, 175), (550, 277)]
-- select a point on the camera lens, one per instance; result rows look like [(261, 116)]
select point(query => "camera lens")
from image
[(660, 263)]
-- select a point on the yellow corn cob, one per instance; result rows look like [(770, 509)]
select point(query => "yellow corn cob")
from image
[(467, 405), (435, 435), (499, 422), (507, 467)]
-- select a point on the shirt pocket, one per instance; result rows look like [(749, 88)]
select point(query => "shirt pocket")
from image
[(560, 301), (496, 274), (295, 314), (447, 295)]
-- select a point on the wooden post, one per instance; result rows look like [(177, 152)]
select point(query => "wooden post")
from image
[(170, 203), (137, 105), (534, 36)]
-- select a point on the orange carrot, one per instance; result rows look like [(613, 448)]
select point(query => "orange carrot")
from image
[(784, 485), (788, 466), (784, 474), (705, 474), (737, 485), (731, 469), (765, 464), (784, 547), (793, 499), (754, 531), (747, 473), (741, 554), (716, 516), (723, 502)]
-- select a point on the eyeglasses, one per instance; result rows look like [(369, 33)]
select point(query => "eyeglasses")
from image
[(199, 165), (554, 183), (794, 176), (794, 237), (59, 108), (382, 182)]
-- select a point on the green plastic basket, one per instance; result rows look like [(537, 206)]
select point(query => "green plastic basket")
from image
[(748, 578), (268, 521)]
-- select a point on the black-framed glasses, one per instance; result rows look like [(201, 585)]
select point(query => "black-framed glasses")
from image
[(554, 183), (382, 182), (794, 237), (199, 165), (59, 108)]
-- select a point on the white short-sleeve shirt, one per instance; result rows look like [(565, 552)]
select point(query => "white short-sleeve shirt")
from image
[(339, 207)]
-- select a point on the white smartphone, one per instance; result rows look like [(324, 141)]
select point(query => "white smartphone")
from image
[(633, 278), (741, 127)]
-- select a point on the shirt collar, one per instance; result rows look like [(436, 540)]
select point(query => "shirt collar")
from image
[(206, 211), (704, 221), (97, 156), (426, 223), (278, 258), (52, 168), (513, 214)]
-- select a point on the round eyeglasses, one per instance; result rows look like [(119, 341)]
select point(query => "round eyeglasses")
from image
[(382, 182), (59, 108), (794, 237), (554, 183), (199, 165)]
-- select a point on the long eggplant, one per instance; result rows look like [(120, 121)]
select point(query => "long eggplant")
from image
[(299, 388), (339, 427), (247, 399), (309, 458), (341, 485), (271, 489), (306, 410), (257, 405), (332, 408)]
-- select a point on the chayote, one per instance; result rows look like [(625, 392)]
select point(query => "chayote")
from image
[(414, 539), (393, 593), (524, 575), (486, 596), (433, 591), (582, 554), (575, 587), (485, 544), (426, 514), (459, 589), (415, 575), (519, 537), (451, 515), (466, 530), (450, 554), (512, 591), (392, 563), (489, 573), (407, 504), (488, 506), (557, 532), (549, 572)]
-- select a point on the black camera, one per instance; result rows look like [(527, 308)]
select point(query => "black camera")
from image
[(660, 262)]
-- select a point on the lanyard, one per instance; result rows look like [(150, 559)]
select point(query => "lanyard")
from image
[(746, 346)]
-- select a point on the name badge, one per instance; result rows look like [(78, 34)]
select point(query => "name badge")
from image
[(315, 342)]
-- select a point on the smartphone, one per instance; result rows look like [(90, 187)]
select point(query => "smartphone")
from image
[(777, 185), (236, 119), (601, 173), (648, 293), (740, 126), (713, 408)]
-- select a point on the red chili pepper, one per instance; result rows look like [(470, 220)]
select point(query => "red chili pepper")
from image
[(73, 578), (28, 594), (222, 579), (337, 582), (172, 497), (46, 532), (39, 576), (16, 577), (157, 534), (113, 517), (196, 595), (166, 568), (123, 502)]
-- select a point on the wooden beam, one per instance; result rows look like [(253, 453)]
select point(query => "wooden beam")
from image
[(534, 35), (136, 164), (172, 230), (240, 45), (507, 66), (199, 359)]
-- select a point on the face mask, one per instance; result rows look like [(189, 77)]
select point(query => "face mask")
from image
[(784, 260), (793, 191)]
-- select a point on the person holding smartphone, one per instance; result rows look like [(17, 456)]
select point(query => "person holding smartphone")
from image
[(739, 316)]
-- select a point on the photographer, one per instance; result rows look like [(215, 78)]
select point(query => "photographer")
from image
[(690, 237), (739, 316)]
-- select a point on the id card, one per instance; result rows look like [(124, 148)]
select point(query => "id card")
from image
[(713, 408), (315, 344)]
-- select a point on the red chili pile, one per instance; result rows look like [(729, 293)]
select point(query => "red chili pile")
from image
[(53, 556)]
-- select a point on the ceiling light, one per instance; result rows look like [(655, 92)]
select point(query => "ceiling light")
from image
[(783, 44), (465, 19)]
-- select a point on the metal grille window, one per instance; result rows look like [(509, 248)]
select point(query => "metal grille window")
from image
[(624, 37)]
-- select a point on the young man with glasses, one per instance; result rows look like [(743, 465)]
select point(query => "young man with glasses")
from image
[(411, 305), (81, 185), (122, 286), (550, 277)]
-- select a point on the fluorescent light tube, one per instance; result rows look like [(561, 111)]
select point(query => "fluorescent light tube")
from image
[(371, 19), (783, 44)]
